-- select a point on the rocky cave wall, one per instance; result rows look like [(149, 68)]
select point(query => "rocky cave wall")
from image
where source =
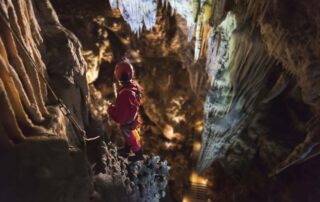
[(261, 112), (42, 152), (260, 140), (35, 136)]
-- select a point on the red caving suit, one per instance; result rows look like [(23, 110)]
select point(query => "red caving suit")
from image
[(125, 111)]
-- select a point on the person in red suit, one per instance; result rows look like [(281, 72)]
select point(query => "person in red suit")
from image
[(125, 110)]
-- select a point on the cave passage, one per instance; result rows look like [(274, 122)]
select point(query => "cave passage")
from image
[(226, 90)]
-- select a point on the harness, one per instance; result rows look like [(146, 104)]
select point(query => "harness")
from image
[(131, 122), (137, 96)]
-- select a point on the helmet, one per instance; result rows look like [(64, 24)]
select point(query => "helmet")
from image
[(124, 71)]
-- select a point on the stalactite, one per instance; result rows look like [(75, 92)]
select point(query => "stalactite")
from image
[(137, 13), (195, 9), (247, 69), (197, 13), (198, 42), (293, 44)]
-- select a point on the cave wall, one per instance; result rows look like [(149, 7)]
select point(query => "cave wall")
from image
[(261, 112), (260, 139), (38, 163), (31, 55), (43, 80)]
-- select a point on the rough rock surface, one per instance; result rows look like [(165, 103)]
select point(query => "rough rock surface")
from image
[(42, 157), (130, 181), (261, 135), (261, 116), (44, 169), (174, 87)]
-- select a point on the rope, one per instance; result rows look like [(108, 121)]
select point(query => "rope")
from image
[(63, 108)]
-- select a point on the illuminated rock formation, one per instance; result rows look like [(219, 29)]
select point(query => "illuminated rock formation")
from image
[(266, 59), (44, 100), (253, 66)]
